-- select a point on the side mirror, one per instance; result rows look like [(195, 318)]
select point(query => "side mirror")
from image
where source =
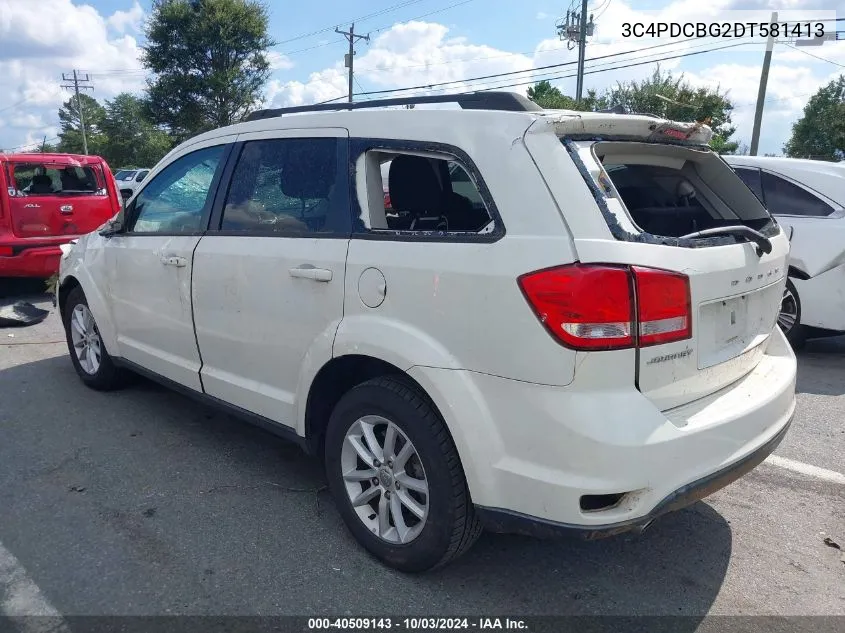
[(115, 225)]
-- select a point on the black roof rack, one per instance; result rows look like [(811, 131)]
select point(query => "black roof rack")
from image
[(489, 100)]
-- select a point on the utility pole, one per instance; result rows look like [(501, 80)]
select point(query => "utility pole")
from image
[(350, 35), (576, 29), (77, 80), (582, 43), (761, 91)]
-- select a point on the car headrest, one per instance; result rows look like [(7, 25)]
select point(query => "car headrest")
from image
[(414, 185), (685, 189), (307, 174)]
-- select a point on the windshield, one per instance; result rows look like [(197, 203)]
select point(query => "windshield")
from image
[(38, 179), (124, 174)]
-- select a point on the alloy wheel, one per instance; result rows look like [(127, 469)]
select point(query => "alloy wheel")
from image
[(86, 339), (788, 316), (385, 479)]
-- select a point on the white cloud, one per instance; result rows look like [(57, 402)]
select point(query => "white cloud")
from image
[(122, 21), (70, 34), (278, 61), (409, 54), (327, 84), (34, 53)]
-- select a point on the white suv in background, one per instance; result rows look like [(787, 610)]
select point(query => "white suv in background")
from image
[(808, 197), (591, 347), (128, 180)]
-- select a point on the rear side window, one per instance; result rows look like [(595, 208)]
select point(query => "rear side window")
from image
[(35, 179), (286, 186), (785, 198), (751, 177), (421, 194)]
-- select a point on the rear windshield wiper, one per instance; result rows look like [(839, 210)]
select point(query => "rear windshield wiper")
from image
[(763, 243)]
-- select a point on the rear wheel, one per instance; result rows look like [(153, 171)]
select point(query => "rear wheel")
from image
[(87, 350), (396, 477), (789, 318)]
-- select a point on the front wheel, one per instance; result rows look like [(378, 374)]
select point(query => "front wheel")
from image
[(789, 318), (396, 476), (87, 351)]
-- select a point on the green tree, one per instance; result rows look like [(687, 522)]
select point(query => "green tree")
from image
[(209, 62), (820, 132), (70, 136), (131, 139), (673, 98), (662, 94), (550, 97)]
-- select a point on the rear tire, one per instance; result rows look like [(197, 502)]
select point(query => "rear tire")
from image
[(88, 353), (789, 319), (398, 418)]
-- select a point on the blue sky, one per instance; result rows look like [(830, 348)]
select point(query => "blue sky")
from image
[(414, 42)]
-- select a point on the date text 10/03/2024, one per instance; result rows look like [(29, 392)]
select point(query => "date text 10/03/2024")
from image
[(417, 624)]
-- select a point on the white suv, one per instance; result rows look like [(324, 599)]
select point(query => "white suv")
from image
[(590, 348)]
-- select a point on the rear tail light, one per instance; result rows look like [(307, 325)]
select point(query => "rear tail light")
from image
[(663, 302), (605, 307)]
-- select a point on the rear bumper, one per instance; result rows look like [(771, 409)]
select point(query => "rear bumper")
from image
[(33, 257), (597, 454), (503, 521), (33, 261)]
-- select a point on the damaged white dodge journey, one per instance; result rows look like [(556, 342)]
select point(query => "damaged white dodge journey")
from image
[(562, 322)]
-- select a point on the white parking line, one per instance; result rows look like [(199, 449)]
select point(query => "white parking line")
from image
[(806, 469), (21, 598)]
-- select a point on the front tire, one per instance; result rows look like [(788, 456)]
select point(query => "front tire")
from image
[(87, 351), (789, 318), (396, 477)]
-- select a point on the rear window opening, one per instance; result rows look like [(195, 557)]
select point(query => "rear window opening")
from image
[(38, 179), (671, 191), (423, 192)]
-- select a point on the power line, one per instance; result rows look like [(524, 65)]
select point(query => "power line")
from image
[(50, 140), (389, 9), (14, 105), (425, 15), (602, 12), (597, 68), (535, 77), (378, 30), (527, 70), (829, 61)]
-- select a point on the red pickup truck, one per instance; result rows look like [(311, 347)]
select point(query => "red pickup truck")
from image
[(47, 200)]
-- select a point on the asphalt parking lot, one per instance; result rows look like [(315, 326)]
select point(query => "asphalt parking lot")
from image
[(143, 502)]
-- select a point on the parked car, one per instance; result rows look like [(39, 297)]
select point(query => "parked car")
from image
[(128, 181), (808, 197), (591, 348), (47, 200)]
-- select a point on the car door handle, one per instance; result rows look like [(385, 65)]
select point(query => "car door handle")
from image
[(179, 262), (309, 272)]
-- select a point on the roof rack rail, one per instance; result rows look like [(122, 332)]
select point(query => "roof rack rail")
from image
[(489, 100)]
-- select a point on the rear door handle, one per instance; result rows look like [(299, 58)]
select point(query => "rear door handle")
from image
[(309, 272), (179, 262)]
